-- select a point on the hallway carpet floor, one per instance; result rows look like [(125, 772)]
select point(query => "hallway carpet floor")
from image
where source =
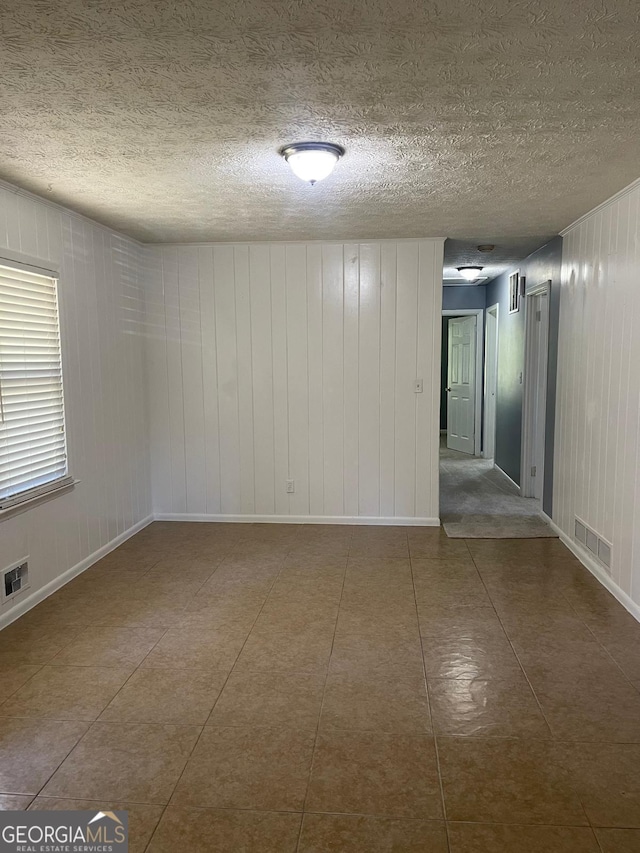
[(478, 502), (282, 688)]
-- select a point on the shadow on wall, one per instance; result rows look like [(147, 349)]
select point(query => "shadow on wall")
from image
[(543, 265)]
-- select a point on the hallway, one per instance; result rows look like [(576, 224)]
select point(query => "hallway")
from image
[(476, 500)]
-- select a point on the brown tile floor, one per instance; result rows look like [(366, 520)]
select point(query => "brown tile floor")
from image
[(275, 689)]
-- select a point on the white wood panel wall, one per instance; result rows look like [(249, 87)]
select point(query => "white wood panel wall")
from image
[(270, 362), (101, 312), (597, 445)]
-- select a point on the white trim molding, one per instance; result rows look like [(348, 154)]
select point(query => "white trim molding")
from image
[(300, 519), (595, 568), (530, 387), (507, 477), (39, 595)]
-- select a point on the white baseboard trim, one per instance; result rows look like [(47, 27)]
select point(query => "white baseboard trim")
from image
[(300, 519), (506, 476), (39, 595), (595, 568)]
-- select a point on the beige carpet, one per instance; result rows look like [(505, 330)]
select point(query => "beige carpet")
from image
[(497, 527)]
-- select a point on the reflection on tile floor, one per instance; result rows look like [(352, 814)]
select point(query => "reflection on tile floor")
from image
[(274, 688)]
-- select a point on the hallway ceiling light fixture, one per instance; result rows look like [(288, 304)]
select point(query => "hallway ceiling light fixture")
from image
[(312, 161), (470, 273)]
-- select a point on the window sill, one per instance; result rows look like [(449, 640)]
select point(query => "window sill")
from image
[(29, 503)]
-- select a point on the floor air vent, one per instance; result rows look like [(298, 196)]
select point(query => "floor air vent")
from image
[(599, 547)]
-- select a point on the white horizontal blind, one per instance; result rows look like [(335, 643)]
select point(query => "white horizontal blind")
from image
[(33, 454)]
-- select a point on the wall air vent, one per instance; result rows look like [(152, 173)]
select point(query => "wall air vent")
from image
[(580, 534), (604, 553), (599, 547), (15, 579), (592, 542)]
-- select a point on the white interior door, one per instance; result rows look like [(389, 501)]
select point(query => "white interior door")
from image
[(461, 385), (491, 382)]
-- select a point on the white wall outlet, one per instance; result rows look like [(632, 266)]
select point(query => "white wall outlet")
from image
[(417, 386), (291, 486)]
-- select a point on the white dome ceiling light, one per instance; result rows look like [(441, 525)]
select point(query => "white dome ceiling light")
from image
[(470, 273), (312, 161)]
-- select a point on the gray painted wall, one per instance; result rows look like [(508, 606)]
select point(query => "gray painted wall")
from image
[(463, 296), (542, 265)]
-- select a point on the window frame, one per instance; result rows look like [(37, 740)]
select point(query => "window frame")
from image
[(36, 494)]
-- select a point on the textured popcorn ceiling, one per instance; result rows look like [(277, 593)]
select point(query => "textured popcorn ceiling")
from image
[(461, 118)]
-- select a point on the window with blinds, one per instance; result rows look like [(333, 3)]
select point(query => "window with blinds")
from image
[(33, 454)]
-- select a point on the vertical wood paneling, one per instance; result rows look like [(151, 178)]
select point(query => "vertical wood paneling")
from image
[(209, 369), (192, 385), (315, 379), (388, 335), (598, 406), (298, 427), (70, 297), (306, 372), (428, 402), (333, 377), (227, 359), (405, 398), (156, 379), (262, 379), (103, 351), (171, 287), (368, 440), (351, 379), (279, 312), (245, 379)]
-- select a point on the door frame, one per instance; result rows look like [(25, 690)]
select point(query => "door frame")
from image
[(530, 389), (479, 315), (491, 309)]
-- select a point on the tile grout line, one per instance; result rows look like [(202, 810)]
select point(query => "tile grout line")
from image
[(324, 690), (90, 724), (198, 739), (520, 664), (93, 722), (426, 685), (552, 740), (627, 678)]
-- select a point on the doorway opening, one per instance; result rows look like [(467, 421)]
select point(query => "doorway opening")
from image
[(462, 353), (477, 498)]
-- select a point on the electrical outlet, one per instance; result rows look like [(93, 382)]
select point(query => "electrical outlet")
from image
[(417, 387), (291, 486)]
